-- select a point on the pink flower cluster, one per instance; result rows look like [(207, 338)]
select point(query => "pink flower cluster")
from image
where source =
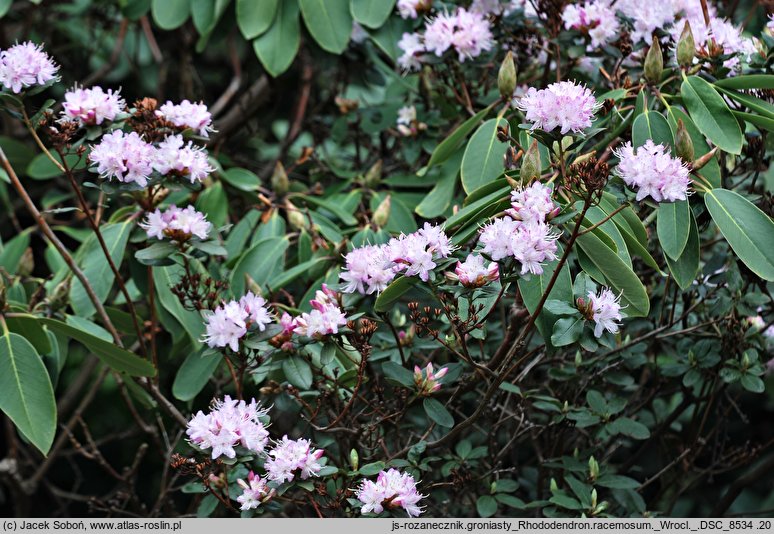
[(128, 158), (89, 107), (411, 9), (595, 18), (606, 308), (175, 157), (178, 224), (325, 318), (427, 380), (524, 233), (187, 115), (392, 489), (256, 492), (371, 268), (291, 458), (230, 321), (24, 65), (228, 424), (125, 157), (653, 172), (467, 32), (474, 272), (568, 106)]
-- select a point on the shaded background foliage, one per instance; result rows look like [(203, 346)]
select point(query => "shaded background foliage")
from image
[(686, 440)]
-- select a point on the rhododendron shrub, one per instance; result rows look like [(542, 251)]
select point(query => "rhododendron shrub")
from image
[(398, 259)]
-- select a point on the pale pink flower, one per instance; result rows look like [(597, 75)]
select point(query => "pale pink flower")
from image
[(413, 50), (255, 492), (407, 115), (256, 310), (89, 107), (368, 269), (652, 171), (427, 380), (176, 223), (24, 65), (226, 326), (293, 458), (595, 18), (533, 204), (228, 424), (474, 272), (325, 318), (125, 157), (392, 489), (187, 115), (566, 106), (606, 308), (531, 244), (410, 9), (176, 158)]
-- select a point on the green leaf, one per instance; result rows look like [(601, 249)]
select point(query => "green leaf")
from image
[(685, 267), (448, 146), (193, 375), (278, 46), (254, 18), (170, 14), (242, 179), (42, 168), (214, 204), (672, 227), (330, 23), (486, 505), (259, 262), (440, 196), (765, 123), (112, 355), (748, 81), (29, 327), (438, 413), (748, 230), (369, 470), (398, 373), (618, 275), (510, 500), (26, 394), (629, 427), (617, 482), (532, 291), (711, 114), (371, 13), (5, 5), (752, 103), (565, 501), (159, 253), (163, 279), (298, 372), (651, 125), (752, 383), (11, 254), (392, 293), (95, 267), (711, 171), (341, 213), (283, 278), (567, 330), (483, 159)]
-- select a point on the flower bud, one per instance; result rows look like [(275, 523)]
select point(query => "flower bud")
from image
[(683, 143), (506, 78), (354, 460), (654, 63), (702, 161), (593, 469), (530, 164), (686, 47), (279, 180), (26, 263), (382, 213), (297, 220), (373, 176)]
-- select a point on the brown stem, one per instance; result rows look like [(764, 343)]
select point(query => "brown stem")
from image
[(98, 233)]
